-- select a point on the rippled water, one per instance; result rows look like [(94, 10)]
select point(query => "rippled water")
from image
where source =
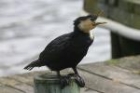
[(27, 26)]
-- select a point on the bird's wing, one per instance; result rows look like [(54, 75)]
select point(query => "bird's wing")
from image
[(56, 49)]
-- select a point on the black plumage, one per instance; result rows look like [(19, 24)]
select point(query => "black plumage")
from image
[(68, 50)]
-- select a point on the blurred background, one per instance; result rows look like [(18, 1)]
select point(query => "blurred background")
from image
[(27, 26)]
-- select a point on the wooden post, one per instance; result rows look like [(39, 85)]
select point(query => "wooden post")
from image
[(50, 84)]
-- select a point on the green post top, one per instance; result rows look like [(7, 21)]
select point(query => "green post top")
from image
[(46, 77), (47, 83)]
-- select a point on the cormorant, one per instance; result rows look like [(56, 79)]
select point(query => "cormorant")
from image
[(68, 50)]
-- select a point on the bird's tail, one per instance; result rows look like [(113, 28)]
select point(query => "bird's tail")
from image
[(33, 64)]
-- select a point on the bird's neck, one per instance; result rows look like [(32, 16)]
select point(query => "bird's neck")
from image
[(79, 31)]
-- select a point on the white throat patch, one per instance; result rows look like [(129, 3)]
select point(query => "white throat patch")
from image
[(91, 35)]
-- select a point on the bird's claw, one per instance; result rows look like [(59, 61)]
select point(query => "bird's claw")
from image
[(78, 79), (64, 81)]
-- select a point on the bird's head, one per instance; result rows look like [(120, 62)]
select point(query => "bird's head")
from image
[(86, 23)]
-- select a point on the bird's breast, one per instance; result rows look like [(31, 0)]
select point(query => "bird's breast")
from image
[(83, 41), (80, 44)]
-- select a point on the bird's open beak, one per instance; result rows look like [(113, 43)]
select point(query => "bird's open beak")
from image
[(98, 23)]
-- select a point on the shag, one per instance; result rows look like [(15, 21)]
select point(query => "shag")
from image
[(67, 50)]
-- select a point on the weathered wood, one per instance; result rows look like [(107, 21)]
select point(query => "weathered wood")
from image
[(13, 83), (7, 89), (130, 63), (23, 84), (113, 73), (114, 76), (105, 85), (27, 78), (50, 84)]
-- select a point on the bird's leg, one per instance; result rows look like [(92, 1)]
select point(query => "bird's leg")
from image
[(79, 79), (64, 80)]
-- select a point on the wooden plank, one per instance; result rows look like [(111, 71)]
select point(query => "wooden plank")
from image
[(130, 63), (25, 88), (23, 84), (6, 89), (7, 81), (98, 83), (113, 73), (84, 90), (104, 85), (27, 79)]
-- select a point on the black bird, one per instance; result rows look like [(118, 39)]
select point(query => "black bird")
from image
[(68, 50)]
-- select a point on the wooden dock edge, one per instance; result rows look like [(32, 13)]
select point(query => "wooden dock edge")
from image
[(113, 76)]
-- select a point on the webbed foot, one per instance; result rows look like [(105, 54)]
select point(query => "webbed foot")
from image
[(79, 80), (64, 81)]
